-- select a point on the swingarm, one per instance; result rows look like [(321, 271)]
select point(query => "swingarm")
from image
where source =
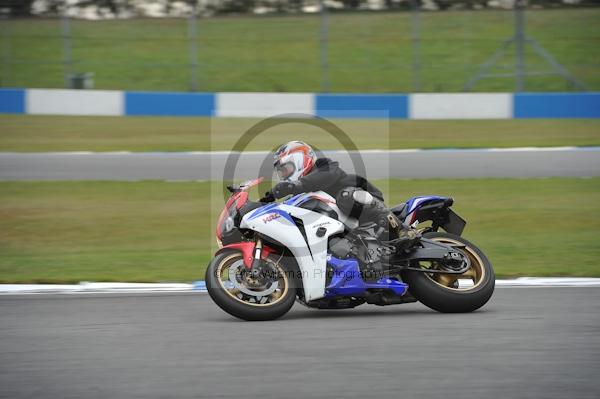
[(447, 259)]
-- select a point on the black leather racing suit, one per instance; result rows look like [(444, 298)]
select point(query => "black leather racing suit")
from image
[(327, 176)]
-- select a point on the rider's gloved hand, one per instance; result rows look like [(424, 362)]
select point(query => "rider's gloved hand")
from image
[(285, 188), (269, 197)]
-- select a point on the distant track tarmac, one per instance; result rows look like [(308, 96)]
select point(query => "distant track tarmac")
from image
[(449, 163), (525, 343)]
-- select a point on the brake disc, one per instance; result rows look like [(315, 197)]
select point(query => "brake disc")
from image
[(236, 280)]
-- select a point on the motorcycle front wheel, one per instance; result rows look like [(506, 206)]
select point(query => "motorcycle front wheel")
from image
[(451, 293), (266, 296)]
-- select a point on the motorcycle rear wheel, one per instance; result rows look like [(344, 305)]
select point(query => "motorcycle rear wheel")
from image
[(443, 292), (242, 296)]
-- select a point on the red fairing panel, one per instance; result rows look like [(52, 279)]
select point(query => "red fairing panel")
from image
[(247, 250), (239, 199)]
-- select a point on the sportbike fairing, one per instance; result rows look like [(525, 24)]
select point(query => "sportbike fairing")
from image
[(309, 247), (306, 234)]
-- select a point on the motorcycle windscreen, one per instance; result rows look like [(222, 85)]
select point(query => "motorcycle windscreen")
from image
[(455, 224)]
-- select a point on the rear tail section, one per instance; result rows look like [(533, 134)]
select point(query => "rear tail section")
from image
[(431, 207)]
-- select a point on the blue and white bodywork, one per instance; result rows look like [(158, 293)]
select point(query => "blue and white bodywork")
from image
[(347, 280), (306, 234), (280, 221), (414, 204)]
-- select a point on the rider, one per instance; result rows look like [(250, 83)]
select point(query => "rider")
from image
[(299, 171)]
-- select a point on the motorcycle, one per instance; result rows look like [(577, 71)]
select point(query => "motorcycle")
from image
[(304, 249)]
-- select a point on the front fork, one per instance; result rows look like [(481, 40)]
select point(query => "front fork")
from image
[(254, 267), (249, 252)]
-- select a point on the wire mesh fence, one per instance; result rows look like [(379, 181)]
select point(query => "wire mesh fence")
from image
[(409, 50)]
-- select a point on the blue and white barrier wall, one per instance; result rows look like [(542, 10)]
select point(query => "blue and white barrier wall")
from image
[(395, 106)]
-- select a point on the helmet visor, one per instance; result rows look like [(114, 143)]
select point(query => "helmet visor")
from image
[(285, 170)]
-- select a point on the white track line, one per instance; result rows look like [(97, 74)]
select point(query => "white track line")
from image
[(200, 286), (91, 288)]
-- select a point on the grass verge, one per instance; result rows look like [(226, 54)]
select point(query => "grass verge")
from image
[(55, 232), (34, 133)]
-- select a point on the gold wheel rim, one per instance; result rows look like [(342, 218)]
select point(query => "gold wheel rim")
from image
[(273, 298), (475, 273)]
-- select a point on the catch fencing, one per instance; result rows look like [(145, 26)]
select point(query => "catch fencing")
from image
[(404, 51)]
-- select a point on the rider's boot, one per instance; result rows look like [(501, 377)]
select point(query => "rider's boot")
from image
[(399, 234)]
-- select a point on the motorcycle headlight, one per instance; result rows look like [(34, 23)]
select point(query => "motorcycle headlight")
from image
[(228, 224)]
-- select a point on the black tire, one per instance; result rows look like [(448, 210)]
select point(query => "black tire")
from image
[(447, 299), (244, 310)]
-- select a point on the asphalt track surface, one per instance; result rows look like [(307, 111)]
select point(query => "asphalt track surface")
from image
[(516, 162), (526, 343)]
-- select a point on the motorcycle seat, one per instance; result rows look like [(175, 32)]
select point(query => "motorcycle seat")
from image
[(399, 210)]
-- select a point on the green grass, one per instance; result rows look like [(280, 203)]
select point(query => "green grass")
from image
[(30, 133), (368, 52), (157, 231)]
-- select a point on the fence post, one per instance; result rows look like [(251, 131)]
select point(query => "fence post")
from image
[(4, 30), (67, 53), (415, 33), (520, 45), (323, 46), (193, 48)]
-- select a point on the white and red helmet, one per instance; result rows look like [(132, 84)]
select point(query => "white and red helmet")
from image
[(294, 160)]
